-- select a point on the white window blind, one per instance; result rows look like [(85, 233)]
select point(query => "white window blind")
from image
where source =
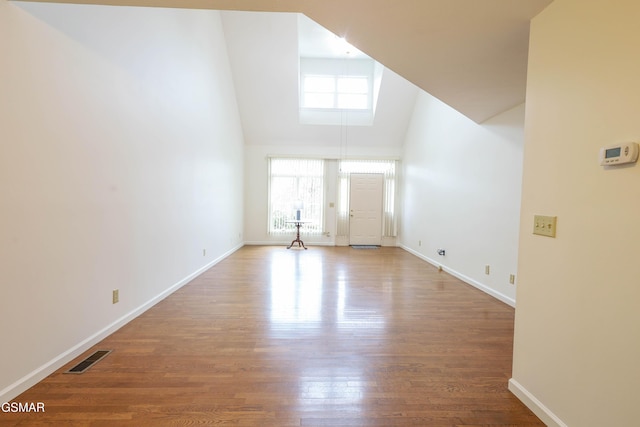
[(294, 181)]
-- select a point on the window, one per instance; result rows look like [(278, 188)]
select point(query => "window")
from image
[(336, 92), (293, 181)]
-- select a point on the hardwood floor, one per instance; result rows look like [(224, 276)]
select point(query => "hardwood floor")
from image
[(324, 337)]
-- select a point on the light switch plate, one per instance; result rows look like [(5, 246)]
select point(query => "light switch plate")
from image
[(544, 225)]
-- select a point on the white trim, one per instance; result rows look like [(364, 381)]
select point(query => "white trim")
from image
[(484, 288), (287, 243), (389, 241), (544, 413), (331, 157), (342, 240), (309, 243), (37, 375)]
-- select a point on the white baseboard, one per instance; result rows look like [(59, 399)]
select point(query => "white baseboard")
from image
[(497, 295), (286, 243), (541, 411), (37, 375)]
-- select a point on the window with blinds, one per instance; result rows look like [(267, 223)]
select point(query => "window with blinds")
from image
[(296, 183)]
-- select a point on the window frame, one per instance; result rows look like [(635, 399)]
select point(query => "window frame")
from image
[(336, 93), (339, 68), (280, 211)]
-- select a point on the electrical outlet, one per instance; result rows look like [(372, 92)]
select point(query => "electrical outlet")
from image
[(419, 242), (116, 296), (544, 225), (487, 269), (204, 252), (512, 279)]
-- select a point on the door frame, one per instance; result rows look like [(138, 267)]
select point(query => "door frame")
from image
[(377, 238)]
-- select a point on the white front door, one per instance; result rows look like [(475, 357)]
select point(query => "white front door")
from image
[(365, 209)]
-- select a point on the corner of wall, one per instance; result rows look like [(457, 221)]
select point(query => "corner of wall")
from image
[(537, 407)]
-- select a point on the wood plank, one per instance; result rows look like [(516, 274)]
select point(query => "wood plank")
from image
[(325, 337)]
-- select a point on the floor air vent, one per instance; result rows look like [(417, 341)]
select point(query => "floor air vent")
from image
[(88, 362)]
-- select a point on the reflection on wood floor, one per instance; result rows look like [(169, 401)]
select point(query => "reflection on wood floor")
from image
[(324, 337)]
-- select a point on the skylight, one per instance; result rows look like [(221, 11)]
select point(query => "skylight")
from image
[(336, 92), (338, 83)]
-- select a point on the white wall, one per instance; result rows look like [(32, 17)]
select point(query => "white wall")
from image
[(461, 193), (121, 159), (265, 63), (576, 347)]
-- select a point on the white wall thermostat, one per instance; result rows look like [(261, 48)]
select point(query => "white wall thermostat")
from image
[(619, 154)]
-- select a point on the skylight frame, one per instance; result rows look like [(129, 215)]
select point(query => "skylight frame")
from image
[(336, 93), (338, 71)]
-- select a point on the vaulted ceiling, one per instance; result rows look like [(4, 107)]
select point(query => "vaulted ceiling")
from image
[(264, 51), (471, 54)]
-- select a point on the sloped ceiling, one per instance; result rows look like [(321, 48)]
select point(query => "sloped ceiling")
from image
[(263, 50), (471, 54)]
